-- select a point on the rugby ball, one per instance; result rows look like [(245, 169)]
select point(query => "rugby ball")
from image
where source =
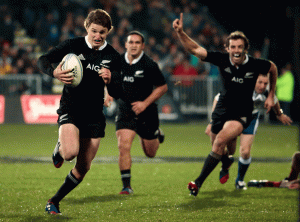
[(71, 61)]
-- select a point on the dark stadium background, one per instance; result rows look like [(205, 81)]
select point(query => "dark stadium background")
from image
[(258, 21)]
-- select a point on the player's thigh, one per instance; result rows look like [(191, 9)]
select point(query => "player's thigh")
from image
[(230, 130), (87, 152), (125, 138), (69, 139), (149, 145)]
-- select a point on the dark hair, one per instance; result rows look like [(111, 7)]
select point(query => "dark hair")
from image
[(238, 35), (137, 33), (264, 74), (99, 17)]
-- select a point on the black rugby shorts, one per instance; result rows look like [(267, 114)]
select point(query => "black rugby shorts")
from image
[(86, 130), (145, 125)]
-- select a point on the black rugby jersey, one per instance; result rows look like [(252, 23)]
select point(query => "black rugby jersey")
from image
[(238, 83), (139, 79), (87, 98)]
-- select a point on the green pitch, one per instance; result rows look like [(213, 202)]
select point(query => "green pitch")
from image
[(28, 179)]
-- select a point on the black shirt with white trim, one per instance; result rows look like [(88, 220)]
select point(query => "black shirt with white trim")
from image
[(238, 82), (85, 100), (139, 78)]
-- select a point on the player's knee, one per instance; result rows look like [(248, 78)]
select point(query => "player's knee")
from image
[(124, 148), (69, 155), (245, 152), (150, 154), (220, 142)]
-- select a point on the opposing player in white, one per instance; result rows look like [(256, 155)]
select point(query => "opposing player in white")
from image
[(248, 135)]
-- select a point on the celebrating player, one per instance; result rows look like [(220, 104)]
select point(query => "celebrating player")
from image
[(143, 84), (233, 112), (81, 120), (247, 137)]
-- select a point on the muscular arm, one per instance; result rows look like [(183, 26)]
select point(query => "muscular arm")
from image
[(190, 45), (139, 106), (273, 78)]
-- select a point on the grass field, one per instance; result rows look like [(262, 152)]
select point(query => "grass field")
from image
[(28, 179)]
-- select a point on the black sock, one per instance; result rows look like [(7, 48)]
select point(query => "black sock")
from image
[(226, 161), (70, 183), (210, 163), (125, 175)]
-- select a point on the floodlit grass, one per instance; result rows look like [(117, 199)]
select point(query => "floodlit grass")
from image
[(160, 189)]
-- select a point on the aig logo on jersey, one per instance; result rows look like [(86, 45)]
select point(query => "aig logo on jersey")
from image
[(128, 79), (238, 80)]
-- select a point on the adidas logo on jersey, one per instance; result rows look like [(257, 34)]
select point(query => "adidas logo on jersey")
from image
[(228, 70), (81, 57)]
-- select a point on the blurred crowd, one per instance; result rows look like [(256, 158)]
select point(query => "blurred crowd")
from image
[(29, 28)]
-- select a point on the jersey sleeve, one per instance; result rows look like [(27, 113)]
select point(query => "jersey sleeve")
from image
[(263, 66), (115, 87), (55, 55), (216, 58), (159, 78)]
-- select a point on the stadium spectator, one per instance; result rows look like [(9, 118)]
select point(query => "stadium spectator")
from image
[(5, 64), (185, 71), (139, 16), (8, 29), (285, 88), (227, 121)]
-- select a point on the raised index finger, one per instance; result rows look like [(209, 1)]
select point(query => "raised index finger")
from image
[(181, 17)]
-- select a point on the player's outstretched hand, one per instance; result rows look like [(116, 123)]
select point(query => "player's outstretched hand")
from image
[(286, 120), (178, 23), (295, 184), (65, 76), (105, 74)]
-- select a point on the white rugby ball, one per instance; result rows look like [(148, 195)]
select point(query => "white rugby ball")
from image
[(71, 61)]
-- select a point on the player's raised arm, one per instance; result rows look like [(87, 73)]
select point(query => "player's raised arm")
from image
[(190, 45)]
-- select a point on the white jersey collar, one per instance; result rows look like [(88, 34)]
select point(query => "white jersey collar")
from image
[(135, 60), (245, 61), (90, 46)]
